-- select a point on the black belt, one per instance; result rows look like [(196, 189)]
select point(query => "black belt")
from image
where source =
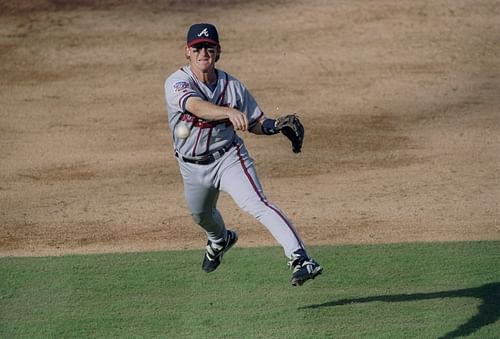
[(206, 159)]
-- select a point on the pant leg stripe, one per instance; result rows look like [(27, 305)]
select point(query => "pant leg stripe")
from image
[(263, 199)]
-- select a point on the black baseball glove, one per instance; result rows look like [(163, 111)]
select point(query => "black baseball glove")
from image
[(293, 129)]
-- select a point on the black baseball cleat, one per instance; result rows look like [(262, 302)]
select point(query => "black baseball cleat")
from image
[(214, 252), (304, 268)]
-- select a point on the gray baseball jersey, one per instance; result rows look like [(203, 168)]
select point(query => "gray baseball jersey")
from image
[(206, 137), (213, 157)]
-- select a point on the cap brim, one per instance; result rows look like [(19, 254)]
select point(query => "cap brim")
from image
[(201, 40)]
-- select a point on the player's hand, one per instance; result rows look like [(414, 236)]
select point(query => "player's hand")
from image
[(238, 119)]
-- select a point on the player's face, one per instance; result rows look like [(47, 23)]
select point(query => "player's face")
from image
[(203, 56)]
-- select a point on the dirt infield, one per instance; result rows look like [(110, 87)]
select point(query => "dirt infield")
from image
[(400, 101)]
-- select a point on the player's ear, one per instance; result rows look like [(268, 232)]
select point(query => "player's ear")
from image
[(219, 51), (187, 52)]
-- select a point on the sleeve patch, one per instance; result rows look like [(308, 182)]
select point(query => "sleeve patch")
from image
[(180, 86)]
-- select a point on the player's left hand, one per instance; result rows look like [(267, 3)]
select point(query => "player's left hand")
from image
[(293, 129)]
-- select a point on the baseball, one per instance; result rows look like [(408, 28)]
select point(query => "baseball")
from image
[(182, 131)]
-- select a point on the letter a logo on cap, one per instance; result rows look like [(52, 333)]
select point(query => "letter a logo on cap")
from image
[(204, 32)]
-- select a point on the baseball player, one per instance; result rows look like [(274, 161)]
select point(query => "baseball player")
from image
[(206, 107)]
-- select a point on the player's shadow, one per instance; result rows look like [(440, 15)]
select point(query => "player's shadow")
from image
[(488, 311)]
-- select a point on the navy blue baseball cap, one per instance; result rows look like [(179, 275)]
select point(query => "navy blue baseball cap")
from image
[(199, 33)]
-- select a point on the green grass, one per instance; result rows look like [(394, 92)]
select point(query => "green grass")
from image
[(431, 290)]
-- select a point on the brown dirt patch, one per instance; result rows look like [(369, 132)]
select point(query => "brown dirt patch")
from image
[(399, 100)]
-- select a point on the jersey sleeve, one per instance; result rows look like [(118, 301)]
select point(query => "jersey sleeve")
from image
[(250, 107), (178, 88)]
